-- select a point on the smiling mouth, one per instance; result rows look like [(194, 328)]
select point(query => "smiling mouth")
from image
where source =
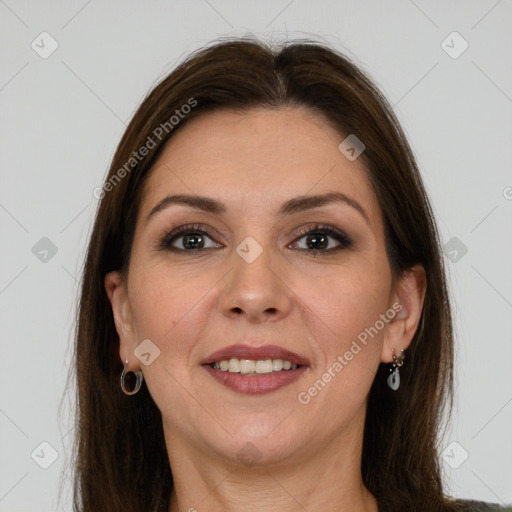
[(253, 367), (255, 370)]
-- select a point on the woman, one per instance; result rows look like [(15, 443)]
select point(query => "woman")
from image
[(264, 321)]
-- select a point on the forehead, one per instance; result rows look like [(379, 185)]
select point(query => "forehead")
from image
[(257, 157)]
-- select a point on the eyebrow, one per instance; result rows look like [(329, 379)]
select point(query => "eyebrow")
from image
[(294, 205)]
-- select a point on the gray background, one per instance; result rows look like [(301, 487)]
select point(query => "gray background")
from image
[(63, 115)]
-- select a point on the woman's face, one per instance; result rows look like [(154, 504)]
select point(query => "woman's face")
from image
[(245, 272)]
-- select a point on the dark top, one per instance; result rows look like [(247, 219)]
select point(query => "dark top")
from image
[(477, 506)]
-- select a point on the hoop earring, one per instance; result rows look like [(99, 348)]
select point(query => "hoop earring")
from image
[(131, 381), (394, 377)]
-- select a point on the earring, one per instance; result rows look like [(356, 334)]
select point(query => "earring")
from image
[(131, 381), (394, 377)]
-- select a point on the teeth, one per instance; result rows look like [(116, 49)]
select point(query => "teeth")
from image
[(233, 365), (247, 366), (253, 367), (264, 366), (277, 364)]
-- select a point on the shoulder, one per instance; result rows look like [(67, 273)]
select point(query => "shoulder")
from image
[(477, 506)]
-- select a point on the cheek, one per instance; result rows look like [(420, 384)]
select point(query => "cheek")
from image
[(343, 307), (341, 316), (169, 309), (165, 307)]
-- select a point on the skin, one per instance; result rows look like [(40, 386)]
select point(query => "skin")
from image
[(304, 456)]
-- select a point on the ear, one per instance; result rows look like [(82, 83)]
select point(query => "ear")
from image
[(407, 301), (118, 297)]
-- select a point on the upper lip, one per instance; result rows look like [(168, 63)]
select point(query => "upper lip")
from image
[(256, 353)]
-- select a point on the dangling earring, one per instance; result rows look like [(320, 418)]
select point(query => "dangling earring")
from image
[(131, 381), (394, 377)]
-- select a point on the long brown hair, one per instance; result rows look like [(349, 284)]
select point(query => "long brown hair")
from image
[(121, 462)]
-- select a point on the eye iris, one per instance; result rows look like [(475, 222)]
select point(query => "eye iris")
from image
[(190, 241), (317, 238)]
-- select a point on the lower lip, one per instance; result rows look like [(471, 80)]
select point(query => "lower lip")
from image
[(255, 385)]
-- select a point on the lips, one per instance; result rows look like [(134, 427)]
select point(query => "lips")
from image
[(255, 353), (256, 384)]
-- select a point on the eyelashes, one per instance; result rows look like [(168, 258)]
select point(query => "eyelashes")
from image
[(189, 233), (184, 232), (324, 231), (194, 237)]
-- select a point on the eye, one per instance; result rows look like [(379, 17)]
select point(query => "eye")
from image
[(318, 238), (186, 239)]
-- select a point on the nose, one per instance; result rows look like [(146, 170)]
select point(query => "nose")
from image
[(256, 290)]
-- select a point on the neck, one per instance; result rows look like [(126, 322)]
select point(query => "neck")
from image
[(325, 477), (270, 493)]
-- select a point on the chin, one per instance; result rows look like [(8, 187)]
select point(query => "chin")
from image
[(259, 444)]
